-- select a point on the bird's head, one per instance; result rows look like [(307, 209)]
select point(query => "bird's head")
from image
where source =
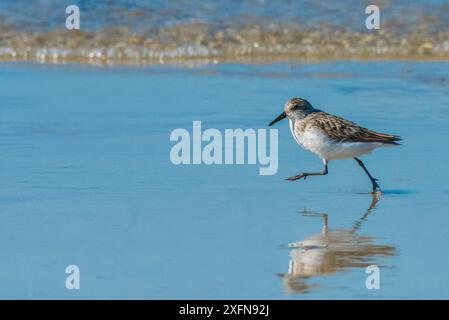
[(295, 107)]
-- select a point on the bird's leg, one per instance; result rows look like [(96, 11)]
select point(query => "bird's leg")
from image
[(306, 174), (376, 187)]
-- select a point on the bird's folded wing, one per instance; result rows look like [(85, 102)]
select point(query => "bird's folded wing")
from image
[(342, 130)]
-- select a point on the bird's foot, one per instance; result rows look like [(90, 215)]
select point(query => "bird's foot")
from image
[(297, 177)]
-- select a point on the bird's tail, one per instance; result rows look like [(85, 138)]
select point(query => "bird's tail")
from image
[(388, 139)]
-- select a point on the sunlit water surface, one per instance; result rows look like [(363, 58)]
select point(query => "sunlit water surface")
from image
[(86, 179)]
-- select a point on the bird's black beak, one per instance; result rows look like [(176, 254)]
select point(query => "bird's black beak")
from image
[(279, 118)]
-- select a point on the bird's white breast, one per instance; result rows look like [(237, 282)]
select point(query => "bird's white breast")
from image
[(292, 129), (317, 141)]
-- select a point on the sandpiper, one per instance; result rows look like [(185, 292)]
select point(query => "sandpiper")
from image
[(331, 137)]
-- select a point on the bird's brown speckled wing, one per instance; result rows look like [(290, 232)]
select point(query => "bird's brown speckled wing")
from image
[(342, 130)]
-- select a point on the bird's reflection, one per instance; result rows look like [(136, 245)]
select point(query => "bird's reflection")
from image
[(331, 251)]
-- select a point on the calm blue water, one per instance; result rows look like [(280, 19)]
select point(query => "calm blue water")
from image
[(86, 179), (143, 14)]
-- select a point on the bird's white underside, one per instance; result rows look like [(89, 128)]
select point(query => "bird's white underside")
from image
[(315, 140)]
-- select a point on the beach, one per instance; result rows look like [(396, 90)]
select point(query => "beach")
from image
[(89, 180), (192, 33), (86, 179)]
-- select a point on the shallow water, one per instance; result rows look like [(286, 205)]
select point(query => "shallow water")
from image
[(86, 179), (201, 32)]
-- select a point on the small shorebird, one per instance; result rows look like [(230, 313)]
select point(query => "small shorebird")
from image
[(331, 137)]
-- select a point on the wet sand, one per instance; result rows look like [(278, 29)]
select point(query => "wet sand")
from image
[(86, 179)]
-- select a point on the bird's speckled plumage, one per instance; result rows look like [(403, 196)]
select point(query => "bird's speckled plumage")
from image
[(342, 130), (331, 137)]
